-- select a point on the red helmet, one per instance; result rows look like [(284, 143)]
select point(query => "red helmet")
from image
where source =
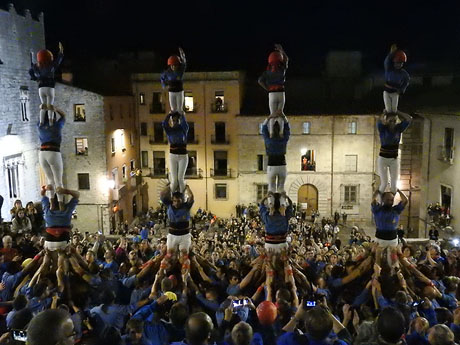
[(173, 60), (399, 56), (275, 58), (44, 56), (266, 313)]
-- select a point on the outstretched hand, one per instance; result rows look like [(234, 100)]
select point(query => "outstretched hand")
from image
[(61, 48), (393, 48)]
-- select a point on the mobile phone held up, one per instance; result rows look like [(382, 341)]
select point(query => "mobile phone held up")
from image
[(19, 335), (310, 304), (238, 303)]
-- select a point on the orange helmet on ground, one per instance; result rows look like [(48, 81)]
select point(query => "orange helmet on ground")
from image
[(399, 56), (275, 58), (44, 56), (173, 60)]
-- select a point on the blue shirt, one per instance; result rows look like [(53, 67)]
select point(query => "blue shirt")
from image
[(176, 215), (391, 138), (144, 234), (273, 78), (276, 224), (115, 315), (397, 78), (51, 134), (58, 218), (45, 75), (37, 305), (386, 220), (276, 146), (288, 338), (173, 79), (177, 135)]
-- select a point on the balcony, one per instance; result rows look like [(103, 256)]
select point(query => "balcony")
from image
[(220, 140), (158, 172), (194, 173), (193, 141), (446, 154), (136, 181), (157, 108), (119, 193), (221, 173), (219, 107), (155, 140)]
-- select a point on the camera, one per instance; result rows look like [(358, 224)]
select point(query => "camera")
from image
[(19, 335), (310, 304), (239, 303)]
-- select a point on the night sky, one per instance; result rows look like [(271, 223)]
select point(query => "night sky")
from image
[(223, 35)]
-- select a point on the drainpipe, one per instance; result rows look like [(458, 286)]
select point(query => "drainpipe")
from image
[(332, 163)]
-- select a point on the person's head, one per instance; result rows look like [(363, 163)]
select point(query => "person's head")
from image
[(20, 302), (178, 314), (21, 213), (420, 325), (17, 204), (444, 316), (132, 256), (198, 328), (61, 333), (7, 241), (333, 259), (134, 329), (318, 323), (211, 294), (174, 62), (75, 240), (166, 284), (39, 290), (391, 325), (89, 256), (388, 199), (108, 255), (283, 294), (233, 277), (440, 335), (107, 298), (242, 333), (407, 251), (391, 121), (177, 199), (175, 119), (30, 206)]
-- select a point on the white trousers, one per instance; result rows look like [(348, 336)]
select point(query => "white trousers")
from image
[(184, 242), (276, 178), (51, 163), (178, 165), (391, 101), (176, 101), (271, 122), (277, 248), (52, 246), (276, 101), (271, 201), (47, 97), (383, 166)]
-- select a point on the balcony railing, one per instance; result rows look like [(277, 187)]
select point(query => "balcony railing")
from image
[(158, 172), (221, 173), (446, 154), (219, 107), (153, 140), (193, 140), (157, 108), (220, 139), (194, 173)]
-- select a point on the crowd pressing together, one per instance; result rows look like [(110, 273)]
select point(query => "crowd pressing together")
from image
[(267, 276)]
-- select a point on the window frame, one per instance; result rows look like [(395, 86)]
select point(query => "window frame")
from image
[(78, 180), (216, 185)]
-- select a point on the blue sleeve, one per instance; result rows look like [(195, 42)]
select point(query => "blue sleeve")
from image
[(214, 306), (184, 125), (61, 122), (289, 212), (361, 298), (263, 213), (45, 203), (147, 310), (32, 73), (265, 131), (399, 207), (401, 127), (375, 208), (163, 79), (262, 79), (405, 84), (383, 303), (430, 315), (287, 131), (182, 68), (337, 282), (388, 63), (165, 123), (380, 126), (58, 61), (71, 206)]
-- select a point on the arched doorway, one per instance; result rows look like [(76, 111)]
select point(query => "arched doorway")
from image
[(307, 198)]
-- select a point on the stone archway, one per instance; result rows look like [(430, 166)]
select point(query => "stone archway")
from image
[(307, 198), (320, 185)]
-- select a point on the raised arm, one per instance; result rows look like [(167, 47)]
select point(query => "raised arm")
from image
[(165, 196), (375, 198), (60, 112), (405, 116), (73, 193), (403, 196), (183, 60), (279, 48)]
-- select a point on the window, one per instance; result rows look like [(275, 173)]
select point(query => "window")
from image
[(115, 178), (220, 190), (158, 133), (261, 163), (141, 98), (191, 133), (261, 126), (351, 162), (446, 197), (143, 128), (192, 166), (262, 190), (308, 161), (352, 127), (111, 112), (350, 194), (220, 163), (24, 98), (157, 103), (132, 164), (83, 181), (449, 142), (11, 164), (122, 140), (145, 159), (80, 114), (81, 146), (123, 172), (219, 105), (159, 163), (112, 144), (220, 136), (189, 105), (306, 127)]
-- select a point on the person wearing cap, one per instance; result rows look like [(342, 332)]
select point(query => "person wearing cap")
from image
[(172, 79)]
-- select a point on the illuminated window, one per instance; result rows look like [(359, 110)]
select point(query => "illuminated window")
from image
[(145, 159), (141, 98), (189, 105), (122, 140), (262, 190), (351, 162), (132, 164), (80, 114), (220, 190), (112, 144), (191, 167), (81, 146), (83, 181), (306, 127), (219, 105), (308, 161), (352, 127), (115, 178)]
